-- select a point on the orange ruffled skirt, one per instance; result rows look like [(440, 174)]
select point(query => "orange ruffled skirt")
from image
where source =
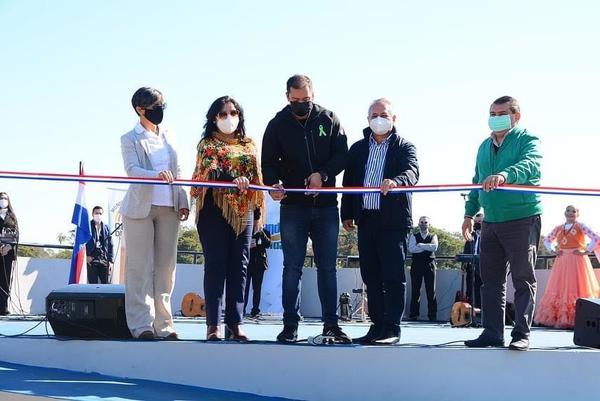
[(572, 277)]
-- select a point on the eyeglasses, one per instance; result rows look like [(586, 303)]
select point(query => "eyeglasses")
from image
[(224, 114), (157, 106)]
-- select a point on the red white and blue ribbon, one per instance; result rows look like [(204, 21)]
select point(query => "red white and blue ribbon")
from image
[(343, 190)]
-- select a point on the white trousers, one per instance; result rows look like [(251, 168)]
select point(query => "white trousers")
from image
[(151, 253)]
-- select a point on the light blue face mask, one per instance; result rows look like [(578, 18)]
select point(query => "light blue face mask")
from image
[(500, 123)]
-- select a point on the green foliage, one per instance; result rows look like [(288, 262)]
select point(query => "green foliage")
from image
[(34, 252), (188, 241)]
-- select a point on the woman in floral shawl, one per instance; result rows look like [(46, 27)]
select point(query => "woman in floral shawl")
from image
[(224, 217)]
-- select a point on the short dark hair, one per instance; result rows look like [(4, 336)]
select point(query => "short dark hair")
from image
[(210, 126), (97, 208), (514, 104), (146, 97), (298, 82)]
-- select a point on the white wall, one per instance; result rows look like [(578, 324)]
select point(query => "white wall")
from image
[(36, 278)]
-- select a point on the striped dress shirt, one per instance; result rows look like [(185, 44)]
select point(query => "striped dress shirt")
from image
[(374, 171)]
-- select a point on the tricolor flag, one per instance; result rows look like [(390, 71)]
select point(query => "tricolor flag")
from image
[(82, 233)]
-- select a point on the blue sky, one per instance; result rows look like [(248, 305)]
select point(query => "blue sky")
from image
[(68, 70)]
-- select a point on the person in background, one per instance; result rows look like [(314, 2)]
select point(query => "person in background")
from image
[(9, 238), (99, 250), (473, 247), (572, 275), (304, 146), (225, 217), (422, 245), (151, 217), (261, 241)]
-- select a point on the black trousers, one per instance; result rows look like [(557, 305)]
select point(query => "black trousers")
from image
[(97, 273), (423, 270), (6, 265), (473, 288), (509, 246), (226, 257), (255, 278), (382, 254)]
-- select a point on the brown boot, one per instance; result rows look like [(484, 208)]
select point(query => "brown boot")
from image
[(237, 333), (213, 333)]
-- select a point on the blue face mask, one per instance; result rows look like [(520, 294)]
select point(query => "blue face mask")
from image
[(500, 123)]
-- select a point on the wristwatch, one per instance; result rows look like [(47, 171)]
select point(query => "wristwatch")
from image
[(324, 176)]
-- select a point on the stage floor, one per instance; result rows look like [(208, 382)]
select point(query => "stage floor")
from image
[(262, 369), (266, 329)]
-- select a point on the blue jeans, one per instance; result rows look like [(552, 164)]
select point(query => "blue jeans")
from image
[(322, 225)]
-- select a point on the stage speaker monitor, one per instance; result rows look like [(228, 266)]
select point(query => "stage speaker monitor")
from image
[(88, 311), (587, 322)]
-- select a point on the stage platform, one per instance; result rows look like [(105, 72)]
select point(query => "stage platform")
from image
[(430, 363)]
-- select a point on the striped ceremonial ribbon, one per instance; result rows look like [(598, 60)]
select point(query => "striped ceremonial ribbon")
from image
[(20, 175)]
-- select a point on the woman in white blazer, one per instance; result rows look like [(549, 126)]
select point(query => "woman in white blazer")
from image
[(151, 214)]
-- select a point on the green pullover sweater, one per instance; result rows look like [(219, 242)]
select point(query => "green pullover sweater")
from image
[(518, 160)]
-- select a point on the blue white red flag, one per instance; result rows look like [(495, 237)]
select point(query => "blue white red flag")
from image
[(82, 233)]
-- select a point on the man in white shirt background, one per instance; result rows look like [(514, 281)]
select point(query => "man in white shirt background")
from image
[(422, 245)]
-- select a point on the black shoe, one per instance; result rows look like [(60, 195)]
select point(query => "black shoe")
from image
[(484, 341), (388, 336), (370, 337), (146, 335), (289, 334), (432, 318), (412, 318), (338, 335), (519, 344)]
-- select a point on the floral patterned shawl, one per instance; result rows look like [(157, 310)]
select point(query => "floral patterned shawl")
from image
[(235, 158)]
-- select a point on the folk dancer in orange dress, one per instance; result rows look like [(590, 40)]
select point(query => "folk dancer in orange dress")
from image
[(572, 275)]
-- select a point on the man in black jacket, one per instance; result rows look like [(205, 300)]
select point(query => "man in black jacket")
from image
[(385, 160), (261, 241), (99, 250), (304, 146)]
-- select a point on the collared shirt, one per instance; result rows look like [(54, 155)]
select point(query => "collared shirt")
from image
[(495, 142), (374, 171), (418, 247), (162, 195)]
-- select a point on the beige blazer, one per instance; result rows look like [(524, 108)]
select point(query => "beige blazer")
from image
[(138, 200)]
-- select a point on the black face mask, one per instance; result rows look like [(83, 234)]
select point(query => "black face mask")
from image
[(477, 226), (155, 116), (301, 108)]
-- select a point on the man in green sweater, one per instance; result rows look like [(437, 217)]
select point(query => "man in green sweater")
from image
[(511, 227)]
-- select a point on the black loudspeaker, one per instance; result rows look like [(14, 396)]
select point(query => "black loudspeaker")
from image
[(587, 322), (88, 311)]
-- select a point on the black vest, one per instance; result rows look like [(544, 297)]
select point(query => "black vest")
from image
[(425, 255)]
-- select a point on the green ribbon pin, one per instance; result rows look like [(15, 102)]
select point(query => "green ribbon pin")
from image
[(322, 130)]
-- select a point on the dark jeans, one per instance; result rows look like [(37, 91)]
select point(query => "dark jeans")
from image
[(509, 245), (322, 225), (423, 270), (226, 257), (97, 273), (382, 254), (255, 278), (6, 265)]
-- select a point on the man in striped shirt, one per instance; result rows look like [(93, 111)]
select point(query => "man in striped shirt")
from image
[(385, 160)]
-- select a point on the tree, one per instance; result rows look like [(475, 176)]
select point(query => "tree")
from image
[(188, 241), (33, 252)]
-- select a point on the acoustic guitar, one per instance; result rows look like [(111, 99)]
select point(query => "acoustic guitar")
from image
[(193, 305)]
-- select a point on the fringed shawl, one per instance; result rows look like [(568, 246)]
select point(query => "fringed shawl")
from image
[(235, 158)]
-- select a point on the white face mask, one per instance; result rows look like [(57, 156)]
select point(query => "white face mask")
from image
[(97, 218), (228, 125), (380, 125), (3, 203)]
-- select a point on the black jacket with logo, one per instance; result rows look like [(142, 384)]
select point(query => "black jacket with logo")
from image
[(291, 151), (400, 165)]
